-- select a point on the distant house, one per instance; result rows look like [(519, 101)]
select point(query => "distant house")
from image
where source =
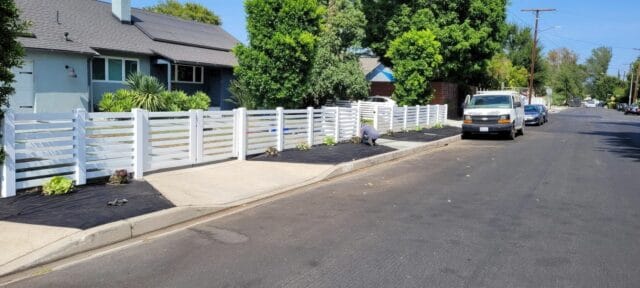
[(80, 49), (379, 76)]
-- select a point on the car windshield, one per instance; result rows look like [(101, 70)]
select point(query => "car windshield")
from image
[(490, 101), (530, 109)]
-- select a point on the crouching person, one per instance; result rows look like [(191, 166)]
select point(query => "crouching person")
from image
[(369, 135)]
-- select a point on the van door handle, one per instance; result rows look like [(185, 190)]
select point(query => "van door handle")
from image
[(26, 72), (26, 106)]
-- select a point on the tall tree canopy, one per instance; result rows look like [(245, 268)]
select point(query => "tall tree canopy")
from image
[(599, 84), (415, 56), (188, 11), (518, 45), (336, 72), (567, 77), (11, 52), (503, 73), (470, 31), (274, 68)]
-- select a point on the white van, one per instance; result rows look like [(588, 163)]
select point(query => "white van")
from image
[(494, 112)]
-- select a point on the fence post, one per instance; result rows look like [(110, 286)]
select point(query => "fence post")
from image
[(241, 128), (375, 116), (429, 115), (140, 123), (337, 124), (280, 127), (9, 164), (392, 116), (310, 126), (417, 116), (404, 120), (234, 149), (437, 113), (446, 113), (79, 147), (358, 118)]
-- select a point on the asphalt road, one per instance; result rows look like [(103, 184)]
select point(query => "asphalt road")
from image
[(559, 207)]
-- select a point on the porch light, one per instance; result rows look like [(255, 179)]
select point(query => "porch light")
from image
[(71, 72)]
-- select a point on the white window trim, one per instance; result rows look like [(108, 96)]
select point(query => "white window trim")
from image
[(175, 74), (106, 68)]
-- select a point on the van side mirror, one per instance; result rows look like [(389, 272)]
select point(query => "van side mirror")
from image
[(518, 104)]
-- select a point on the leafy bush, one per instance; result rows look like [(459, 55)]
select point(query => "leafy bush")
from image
[(199, 100), (148, 93), (57, 185), (367, 122), (303, 146), (121, 101), (418, 128), (438, 125), (329, 141)]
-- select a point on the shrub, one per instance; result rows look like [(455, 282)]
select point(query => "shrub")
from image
[(367, 121), (148, 92), (272, 151), (356, 140), (120, 101), (57, 185), (418, 128), (199, 100), (119, 177), (329, 141), (175, 100), (438, 125), (303, 146)]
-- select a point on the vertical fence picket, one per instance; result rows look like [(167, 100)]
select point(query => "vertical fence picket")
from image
[(417, 116), (310, 126), (234, 149), (193, 136), (404, 118), (79, 147), (280, 128), (437, 113), (376, 111), (446, 113), (392, 115), (429, 115), (241, 126), (358, 117), (9, 164), (336, 132), (140, 122)]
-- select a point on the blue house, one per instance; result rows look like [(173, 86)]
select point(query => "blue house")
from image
[(77, 50)]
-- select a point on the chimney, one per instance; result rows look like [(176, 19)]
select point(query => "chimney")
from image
[(122, 10)]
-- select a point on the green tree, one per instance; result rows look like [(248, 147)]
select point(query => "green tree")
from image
[(11, 52), (336, 72), (504, 74), (470, 31), (274, 68), (596, 68), (415, 56), (567, 77), (518, 45), (188, 11)]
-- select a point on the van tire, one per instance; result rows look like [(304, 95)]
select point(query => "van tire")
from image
[(465, 135), (511, 135), (521, 131)]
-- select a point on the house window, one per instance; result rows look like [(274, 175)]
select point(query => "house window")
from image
[(188, 74), (113, 69)]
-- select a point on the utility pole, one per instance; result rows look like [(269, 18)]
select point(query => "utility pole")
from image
[(533, 51), (631, 83)]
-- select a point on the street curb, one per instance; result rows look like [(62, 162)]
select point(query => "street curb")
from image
[(127, 229)]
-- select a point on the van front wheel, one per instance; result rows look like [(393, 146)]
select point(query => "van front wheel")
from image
[(512, 134), (521, 131)]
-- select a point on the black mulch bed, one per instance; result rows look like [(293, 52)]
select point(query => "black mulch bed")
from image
[(345, 152), (85, 208), (426, 135)]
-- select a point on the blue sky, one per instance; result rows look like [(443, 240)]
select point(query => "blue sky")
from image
[(577, 25)]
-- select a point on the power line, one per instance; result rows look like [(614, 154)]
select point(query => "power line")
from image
[(590, 42)]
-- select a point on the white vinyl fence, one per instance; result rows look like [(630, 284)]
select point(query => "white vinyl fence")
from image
[(83, 145)]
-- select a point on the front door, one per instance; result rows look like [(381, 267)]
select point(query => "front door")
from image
[(23, 99)]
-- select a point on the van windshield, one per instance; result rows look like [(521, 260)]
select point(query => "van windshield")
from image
[(490, 101)]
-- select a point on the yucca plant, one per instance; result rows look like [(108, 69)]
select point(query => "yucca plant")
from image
[(148, 92)]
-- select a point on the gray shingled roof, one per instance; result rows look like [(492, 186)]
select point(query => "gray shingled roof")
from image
[(92, 28)]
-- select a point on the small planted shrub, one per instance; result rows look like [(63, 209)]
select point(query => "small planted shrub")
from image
[(356, 140), (119, 177), (390, 132), (367, 122), (329, 141), (199, 100), (418, 128), (303, 146), (438, 125), (120, 101), (57, 185), (272, 152)]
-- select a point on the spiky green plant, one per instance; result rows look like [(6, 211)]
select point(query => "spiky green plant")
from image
[(148, 92)]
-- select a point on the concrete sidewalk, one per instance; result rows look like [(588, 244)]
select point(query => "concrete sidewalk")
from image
[(197, 192)]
